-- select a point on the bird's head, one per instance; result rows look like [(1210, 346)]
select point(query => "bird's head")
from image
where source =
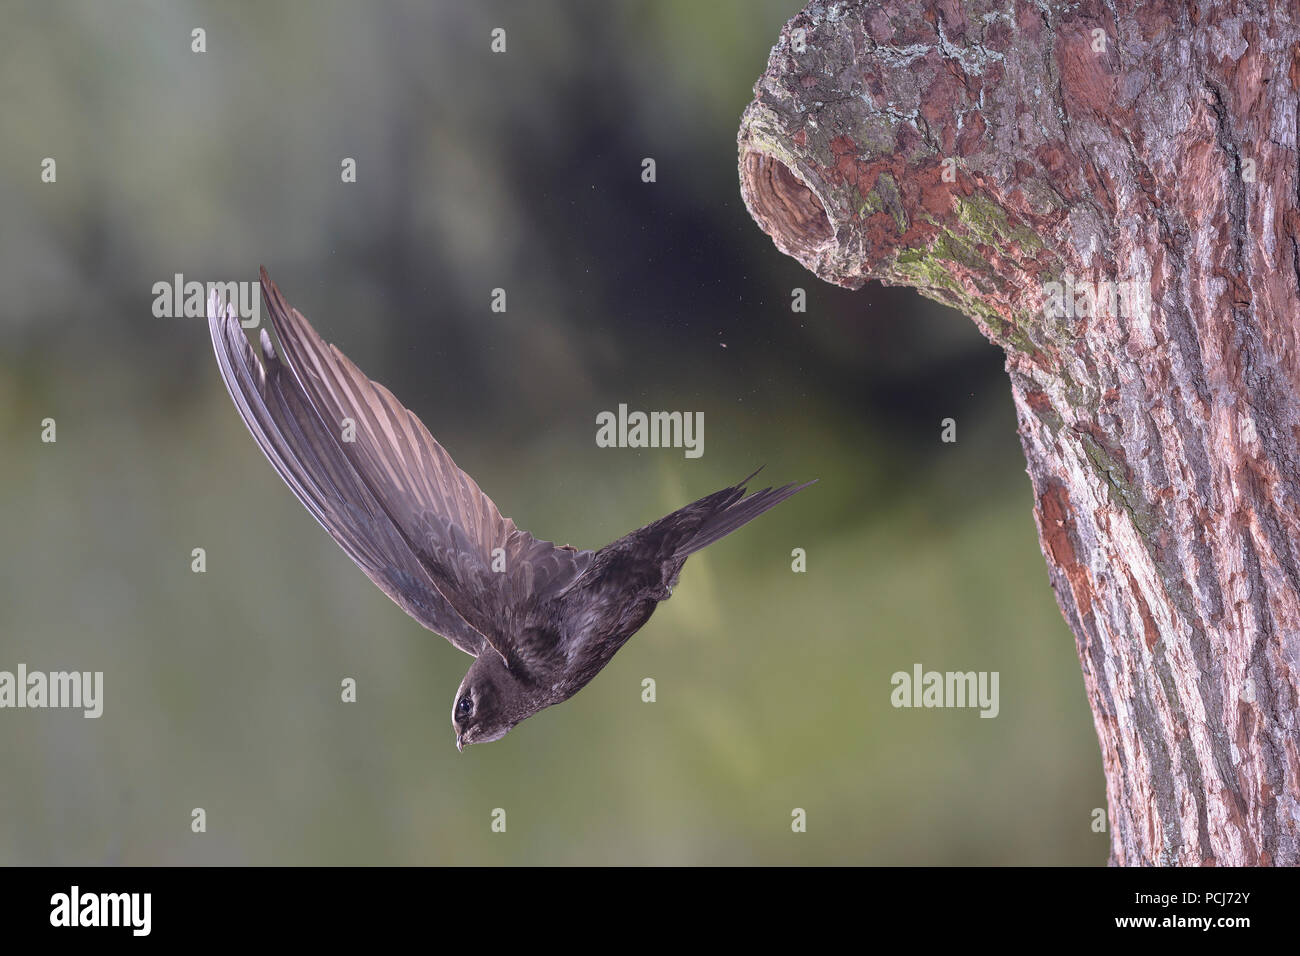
[(488, 702)]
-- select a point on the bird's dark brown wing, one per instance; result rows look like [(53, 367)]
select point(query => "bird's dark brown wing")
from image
[(392, 497)]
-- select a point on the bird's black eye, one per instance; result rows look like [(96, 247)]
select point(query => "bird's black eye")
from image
[(464, 706)]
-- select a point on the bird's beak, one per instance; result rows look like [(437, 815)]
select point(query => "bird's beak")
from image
[(460, 745)]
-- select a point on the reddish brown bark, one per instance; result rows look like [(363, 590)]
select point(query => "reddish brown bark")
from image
[(1157, 157)]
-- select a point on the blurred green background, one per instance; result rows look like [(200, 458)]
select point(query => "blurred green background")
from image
[(478, 170)]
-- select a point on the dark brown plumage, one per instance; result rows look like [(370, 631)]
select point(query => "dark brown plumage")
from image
[(541, 627)]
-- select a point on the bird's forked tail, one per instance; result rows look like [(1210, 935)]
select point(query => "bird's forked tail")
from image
[(734, 509)]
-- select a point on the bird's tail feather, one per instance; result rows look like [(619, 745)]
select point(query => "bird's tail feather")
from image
[(740, 511)]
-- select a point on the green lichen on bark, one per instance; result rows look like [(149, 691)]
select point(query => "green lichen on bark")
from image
[(988, 222), (891, 201), (1122, 492), (869, 204), (933, 270)]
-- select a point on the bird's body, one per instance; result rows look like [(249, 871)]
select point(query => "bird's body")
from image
[(541, 620)]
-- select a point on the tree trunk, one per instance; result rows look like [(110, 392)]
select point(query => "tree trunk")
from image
[(1111, 191)]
